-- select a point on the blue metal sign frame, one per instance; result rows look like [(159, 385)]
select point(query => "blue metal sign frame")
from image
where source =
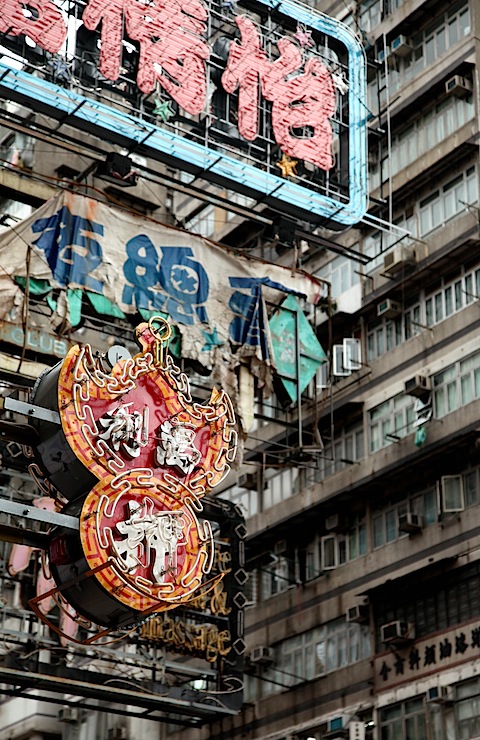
[(112, 124)]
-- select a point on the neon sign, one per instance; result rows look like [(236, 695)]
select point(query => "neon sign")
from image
[(134, 459), (275, 102)]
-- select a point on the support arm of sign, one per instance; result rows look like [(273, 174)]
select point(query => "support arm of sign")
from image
[(41, 516), (29, 409)]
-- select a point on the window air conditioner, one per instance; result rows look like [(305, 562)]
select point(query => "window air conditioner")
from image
[(359, 614), (389, 309), (440, 694), (385, 55), (397, 633), (459, 86), (335, 523), (280, 547), (261, 655), (336, 729), (398, 258), (382, 55), (401, 46), (352, 351), (410, 522), (417, 386), (68, 714)]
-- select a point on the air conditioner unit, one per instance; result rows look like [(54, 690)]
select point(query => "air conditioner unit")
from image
[(389, 309), (397, 633), (280, 547), (336, 729), (385, 55), (410, 522), (352, 353), (398, 258), (261, 655), (382, 55), (340, 368), (359, 614), (459, 86), (68, 714), (417, 386), (440, 694), (335, 523), (401, 46)]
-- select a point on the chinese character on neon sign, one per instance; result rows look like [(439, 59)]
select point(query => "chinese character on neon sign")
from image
[(311, 83)]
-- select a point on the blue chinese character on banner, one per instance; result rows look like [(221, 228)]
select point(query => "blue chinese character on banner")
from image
[(140, 269), (71, 251), (186, 282), (249, 325), (178, 275)]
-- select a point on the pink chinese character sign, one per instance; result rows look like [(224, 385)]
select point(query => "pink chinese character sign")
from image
[(298, 100), (293, 87)]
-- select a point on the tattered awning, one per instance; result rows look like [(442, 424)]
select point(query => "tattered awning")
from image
[(126, 264)]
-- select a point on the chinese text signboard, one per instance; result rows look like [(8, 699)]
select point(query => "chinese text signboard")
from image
[(427, 656), (275, 101)]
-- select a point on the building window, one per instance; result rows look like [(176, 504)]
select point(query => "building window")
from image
[(390, 421), (456, 386), (432, 606), (341, 272), (347, 447), (403, 721), (335, 549), (314, 653), (280, 486), (424, 310), (245, 498), (429, 44), (424, 134), (446, 202), (385, 521), (467, 709), (277, 576)]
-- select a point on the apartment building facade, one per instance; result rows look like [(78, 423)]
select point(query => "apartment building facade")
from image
[(363, 554)]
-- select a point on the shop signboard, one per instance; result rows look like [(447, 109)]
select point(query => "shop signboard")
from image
[(267, 99)]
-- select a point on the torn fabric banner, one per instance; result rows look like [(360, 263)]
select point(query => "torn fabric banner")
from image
[(216, 299)]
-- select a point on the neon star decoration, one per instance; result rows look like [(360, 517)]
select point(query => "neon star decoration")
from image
[(60, 69), (287, 166), (303, 36), (163, 110)]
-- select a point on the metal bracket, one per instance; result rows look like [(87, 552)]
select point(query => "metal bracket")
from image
[(29, 409), (33, 514)]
